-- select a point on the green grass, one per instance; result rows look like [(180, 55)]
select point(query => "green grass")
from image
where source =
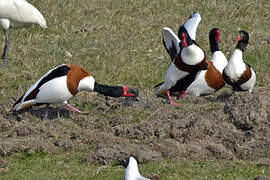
[(69, 165), (119, 42)]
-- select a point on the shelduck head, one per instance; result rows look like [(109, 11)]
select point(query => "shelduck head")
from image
[(214, 35), (242, 39), (214, 39), (184, 37)]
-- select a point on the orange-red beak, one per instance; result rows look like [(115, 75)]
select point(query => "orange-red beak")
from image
[(238, 38), (184, 40), (218, 36)]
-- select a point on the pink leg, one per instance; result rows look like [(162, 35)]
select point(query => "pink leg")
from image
[(72, 108), (46, 114), (170, 99), (180, 96)]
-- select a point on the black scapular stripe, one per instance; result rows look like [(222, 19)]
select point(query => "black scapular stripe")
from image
[(183, 84), (58, 72)]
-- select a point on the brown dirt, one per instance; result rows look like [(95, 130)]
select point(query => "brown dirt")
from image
[(221, 126)]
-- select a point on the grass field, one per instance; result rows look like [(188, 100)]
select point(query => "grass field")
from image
[(119, 42), (69, 165)]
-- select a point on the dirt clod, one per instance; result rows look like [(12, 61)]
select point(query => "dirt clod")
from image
[(223, 126)]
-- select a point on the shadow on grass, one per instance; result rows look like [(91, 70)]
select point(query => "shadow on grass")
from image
[(53, 113), (220, 98)]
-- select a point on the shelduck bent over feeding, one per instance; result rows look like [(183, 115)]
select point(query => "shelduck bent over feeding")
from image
[(239, 75), (16, 12), (63, 82)]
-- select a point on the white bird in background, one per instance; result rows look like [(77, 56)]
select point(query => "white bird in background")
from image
[(131, 169), (16, 12)]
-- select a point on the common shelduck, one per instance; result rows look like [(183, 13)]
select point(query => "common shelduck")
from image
[(63, 82), (238, 74), (172, 43), (210, 80), (131, 169), (16, 12), (186, 64)]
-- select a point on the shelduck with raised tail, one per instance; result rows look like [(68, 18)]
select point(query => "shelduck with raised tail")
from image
[(210, 80), (238, 74), (131, 169), (16, 12), (63, 82), (189, 60)]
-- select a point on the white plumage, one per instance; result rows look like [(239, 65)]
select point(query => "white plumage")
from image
[(20, 11), (63, 82), (192, 24), (192, 55), (249, 85), (58, 87), (236, 65), (53, 91), (210, 80), (171, 42), (172, 76), (186, 60), (199, 86), (16, 12), (132, 170), (238, 74), (219, 60)]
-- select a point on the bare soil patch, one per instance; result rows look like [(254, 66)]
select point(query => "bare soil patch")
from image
[(222, 126)]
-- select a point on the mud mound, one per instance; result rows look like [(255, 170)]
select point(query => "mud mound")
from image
[(250, 115), (223, 126), (110, 148)]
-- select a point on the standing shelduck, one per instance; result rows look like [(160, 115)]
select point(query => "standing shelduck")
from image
[(210, 80), (16, 12), (186, 64), (131, 169), (63, 82), (238, 74)]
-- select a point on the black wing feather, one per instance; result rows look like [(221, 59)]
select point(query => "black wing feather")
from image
[(58, 72), (171, 51)]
